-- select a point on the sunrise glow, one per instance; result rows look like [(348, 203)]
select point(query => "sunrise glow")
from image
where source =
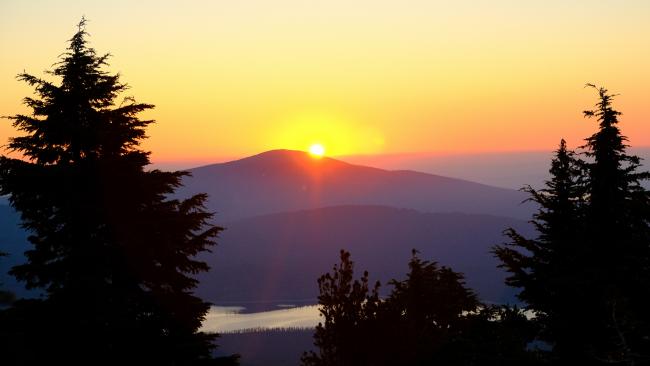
[(231, 79), (317, 150)]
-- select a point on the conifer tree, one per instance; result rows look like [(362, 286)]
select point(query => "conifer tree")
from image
[(349, 308), (424, 312), (546, 268), (429, 318), (587, 274), (114, 255), (618, 243)]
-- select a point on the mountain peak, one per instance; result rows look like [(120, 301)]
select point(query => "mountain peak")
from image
[(286, 154), (289, 180), (283, 159)]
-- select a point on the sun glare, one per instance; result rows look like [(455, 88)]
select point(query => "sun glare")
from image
[(317, 150), (337, 134)]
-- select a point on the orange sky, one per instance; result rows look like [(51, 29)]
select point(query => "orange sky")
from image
[(233, 78)]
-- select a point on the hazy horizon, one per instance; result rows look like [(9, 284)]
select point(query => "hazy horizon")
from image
[(507, 169)]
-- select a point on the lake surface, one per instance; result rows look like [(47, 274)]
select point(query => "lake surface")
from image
[(232, 319)]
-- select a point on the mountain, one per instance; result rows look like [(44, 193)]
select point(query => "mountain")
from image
[(285, 180), (288, 214), (500, 169), (511, 169), (278, 257)]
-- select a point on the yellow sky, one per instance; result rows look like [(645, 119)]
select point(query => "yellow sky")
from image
[(233, 78)]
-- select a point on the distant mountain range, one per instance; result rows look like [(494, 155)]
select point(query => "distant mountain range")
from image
[(288, 214), (286, 180), (509, 169), (278, 257)]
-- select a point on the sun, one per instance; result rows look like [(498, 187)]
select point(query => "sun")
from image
[(317, 150)]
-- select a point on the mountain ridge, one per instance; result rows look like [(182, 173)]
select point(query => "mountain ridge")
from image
[(279, 256), (308, 157), (288, 180)]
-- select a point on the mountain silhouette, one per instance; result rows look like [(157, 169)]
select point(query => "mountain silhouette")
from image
[(288, 214), (278, 257), (286, 180)]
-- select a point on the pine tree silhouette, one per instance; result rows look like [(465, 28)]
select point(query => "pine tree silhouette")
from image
[(429, 318), (587, 274), (348, 308), (115, 256), (547, 269), (618, 238), (425, 312)]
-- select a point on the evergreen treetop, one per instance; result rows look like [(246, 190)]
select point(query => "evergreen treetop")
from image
[(116, 256), (587, 274)]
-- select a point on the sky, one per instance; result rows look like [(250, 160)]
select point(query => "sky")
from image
[(364, 77)]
